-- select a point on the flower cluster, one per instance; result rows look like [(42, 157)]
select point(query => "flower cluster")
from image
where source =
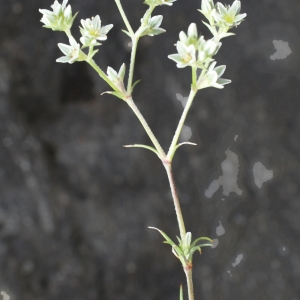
[(194, 51), (221, 18), (92, 31), (60, 19)]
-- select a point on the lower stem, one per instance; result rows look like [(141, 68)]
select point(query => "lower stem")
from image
[(189, 280), (180, 221), (187, 268)]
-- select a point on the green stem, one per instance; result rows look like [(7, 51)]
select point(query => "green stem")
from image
[(135, 40), (92, 63), (172, 148), (194, 77), (180, 221), (121, 10), (144, 123)]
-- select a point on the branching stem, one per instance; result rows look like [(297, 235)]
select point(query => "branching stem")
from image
[(123, 15), (144, 123)]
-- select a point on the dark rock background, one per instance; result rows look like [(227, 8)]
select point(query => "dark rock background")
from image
[(75, 205)]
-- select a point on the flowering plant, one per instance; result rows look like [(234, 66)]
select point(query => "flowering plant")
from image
[(193, 51)]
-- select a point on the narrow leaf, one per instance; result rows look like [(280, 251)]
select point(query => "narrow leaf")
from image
[(126, 32), (142, 146), (133, 86), (117, 94), (164, 235), (200, 239)]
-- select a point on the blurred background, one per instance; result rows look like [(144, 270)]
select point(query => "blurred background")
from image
[(75, 205)]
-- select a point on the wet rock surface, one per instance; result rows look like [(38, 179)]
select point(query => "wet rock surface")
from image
[(75, 205)]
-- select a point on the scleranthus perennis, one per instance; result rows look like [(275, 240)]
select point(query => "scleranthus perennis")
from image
[(193, 51)]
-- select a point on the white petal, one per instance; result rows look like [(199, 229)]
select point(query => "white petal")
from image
[(220, 70), (235, 8), (65, 49), (192, 30), (63, 59), (223, 81), (182, 37), (97, 22), (112, 74), (64, 4)]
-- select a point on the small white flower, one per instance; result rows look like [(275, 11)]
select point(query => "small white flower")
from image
[(186, 55), (92, 31), (191, 38), (229, 15), (72, 52), (60, 19), (204, 50), (207, 49), (213, 78), (114, 76), (152, 26), (207, 7)]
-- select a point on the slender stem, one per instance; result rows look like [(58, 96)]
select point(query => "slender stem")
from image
[(180, 221), (189, 280), (128, 26), (135, 40), (194, 76), (180, 124), (144, 123)]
